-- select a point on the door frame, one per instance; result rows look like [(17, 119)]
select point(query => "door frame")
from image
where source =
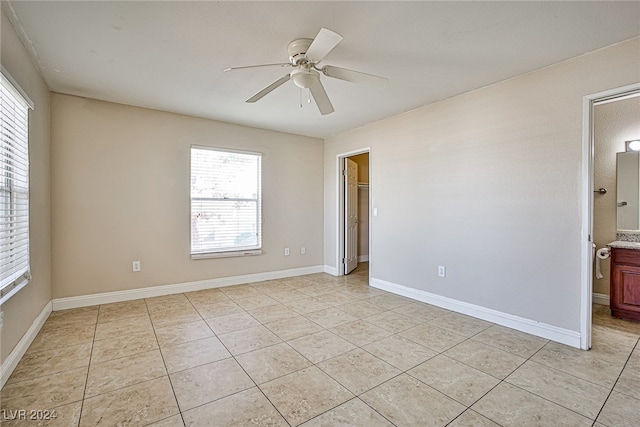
[(340, 207), (586, 288)]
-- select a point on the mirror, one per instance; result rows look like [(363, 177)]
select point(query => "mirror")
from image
[(628, 190)]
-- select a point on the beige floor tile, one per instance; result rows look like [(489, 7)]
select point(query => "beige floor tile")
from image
[(218, 309), (600, 332), (257, 301), (193, 353), (389, 301), (249, 339), (272, 286), (432, 337), (360, 332), (168, 303), (40, 363), (392, 321), (361, 309), (122, 310), (206, 296), (420, 311), (634, 360), (511, 406), (182, 332), (247, 408), (330, 317), (629, 383), (140, 404), (610, 350), (304, 394), (63, 336), (352, 413), (118, 328), (60, 416), (272, 313), (512, 341), (306, 305), (321, 346), (620, 410), (286, 296), (471, 418), (400, 352), (293, 327), (232, 322), (460, 324), (173, 421), (318, 290), (457, 380), (203, 384), (405, 401), (74, 316), (358, 370), (335, 298), (241, 291), (566, 390), (486, 358), (123, 372), (125, 345), (272, 362), (174, 316), (582, 364), (44, 392)]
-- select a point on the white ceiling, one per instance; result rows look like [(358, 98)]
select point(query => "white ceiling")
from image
[(171, 55)]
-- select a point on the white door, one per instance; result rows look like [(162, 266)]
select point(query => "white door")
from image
[(350, 216)]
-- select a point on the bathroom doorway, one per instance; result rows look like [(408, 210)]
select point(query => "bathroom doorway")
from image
[(611, 118)]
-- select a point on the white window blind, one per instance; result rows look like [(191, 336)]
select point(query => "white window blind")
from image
[(225, 202), (14, 190)]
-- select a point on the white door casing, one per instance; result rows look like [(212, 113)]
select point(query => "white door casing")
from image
[(351, 215)]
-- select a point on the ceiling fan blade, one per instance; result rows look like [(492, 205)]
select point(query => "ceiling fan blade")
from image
[(321, 98), (272, 86), (282, 64), (324, 42), (354, 76)]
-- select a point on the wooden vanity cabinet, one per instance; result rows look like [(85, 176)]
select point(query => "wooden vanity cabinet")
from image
[(625, 284)]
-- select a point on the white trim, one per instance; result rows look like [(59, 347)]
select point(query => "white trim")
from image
[(602, 299), (329, 269), (554, 333), (155, 291), (20, 349), (363, 258), (586, 281)]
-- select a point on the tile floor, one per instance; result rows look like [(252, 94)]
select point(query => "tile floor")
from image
[(316, 350)]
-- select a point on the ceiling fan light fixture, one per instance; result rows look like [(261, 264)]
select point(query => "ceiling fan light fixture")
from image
[(304, 78)]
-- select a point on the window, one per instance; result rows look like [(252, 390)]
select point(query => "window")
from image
[(225, 203), (14, 190)]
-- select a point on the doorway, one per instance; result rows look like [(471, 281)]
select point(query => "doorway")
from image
[(354, 212), (596, 186)]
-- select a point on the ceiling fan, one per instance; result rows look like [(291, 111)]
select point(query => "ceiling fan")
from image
[(304, 57)]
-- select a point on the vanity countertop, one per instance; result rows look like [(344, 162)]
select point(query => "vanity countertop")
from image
[(624, 245)]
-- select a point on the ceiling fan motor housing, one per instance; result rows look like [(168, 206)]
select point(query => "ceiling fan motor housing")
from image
[(297, 51)]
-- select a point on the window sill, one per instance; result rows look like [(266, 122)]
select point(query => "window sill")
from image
[(229, 254)]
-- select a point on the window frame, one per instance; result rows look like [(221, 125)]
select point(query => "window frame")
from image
[(228, 251), (15, 168)]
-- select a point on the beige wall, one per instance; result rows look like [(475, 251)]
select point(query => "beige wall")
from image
[(614, 123), (120, 191), (488, 184), (23, 308)]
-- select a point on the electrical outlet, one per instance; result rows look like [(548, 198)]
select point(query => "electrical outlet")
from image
[(135, 266), (287, 252), (303, 250), (442, 271)]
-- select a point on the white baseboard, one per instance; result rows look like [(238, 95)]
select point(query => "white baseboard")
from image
[(602, 299), (363, 258), (330, 270), (554, 333), (156, 291), (20, 349)]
